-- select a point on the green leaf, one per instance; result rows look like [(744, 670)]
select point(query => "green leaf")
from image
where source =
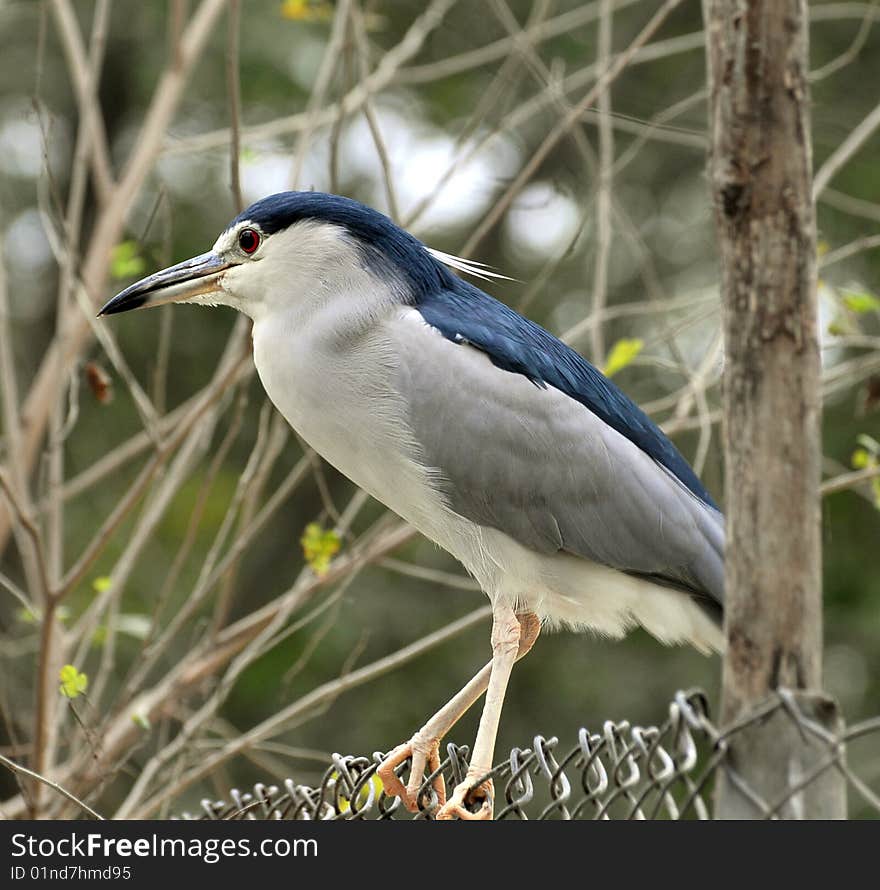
[(622, 353), (307, 10), (125, 261), (141, 720), (375, 783), (319, 547), (27, 616), (73, 683), (99, 585), (860, 459), (860, 301)]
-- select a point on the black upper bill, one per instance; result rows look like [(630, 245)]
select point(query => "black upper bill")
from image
[(187, 279)]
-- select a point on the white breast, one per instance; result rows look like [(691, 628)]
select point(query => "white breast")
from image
[(337, 394)]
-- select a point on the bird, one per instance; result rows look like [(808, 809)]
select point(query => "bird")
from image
[(493, 438)]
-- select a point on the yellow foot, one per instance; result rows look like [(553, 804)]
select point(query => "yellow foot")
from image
[(467, 794), (424, 753)]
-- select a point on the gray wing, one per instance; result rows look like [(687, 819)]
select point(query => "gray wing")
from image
[(541, 467)]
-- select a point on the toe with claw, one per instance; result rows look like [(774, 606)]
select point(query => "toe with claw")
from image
[(424, 753), (465, 796)]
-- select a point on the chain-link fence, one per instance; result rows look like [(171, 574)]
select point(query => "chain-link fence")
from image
[(620, 772)]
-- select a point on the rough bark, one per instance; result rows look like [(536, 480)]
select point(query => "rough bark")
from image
[(761, 181)]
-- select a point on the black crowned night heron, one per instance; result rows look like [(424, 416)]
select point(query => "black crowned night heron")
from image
[(493, 438)]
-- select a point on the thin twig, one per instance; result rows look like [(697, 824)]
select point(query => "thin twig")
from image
[(868, 242), (852, 51), (849, 480), (84, 76), (363, 56), (24, 771), (845, 151), (603, 189), (33, 532), (327, 71), (233, 88)]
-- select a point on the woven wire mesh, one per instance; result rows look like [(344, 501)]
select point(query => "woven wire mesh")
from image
[(620, 772)]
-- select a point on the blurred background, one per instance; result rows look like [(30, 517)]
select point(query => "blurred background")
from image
[(427, 111)]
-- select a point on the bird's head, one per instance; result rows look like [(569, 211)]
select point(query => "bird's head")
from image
[(290, 250)]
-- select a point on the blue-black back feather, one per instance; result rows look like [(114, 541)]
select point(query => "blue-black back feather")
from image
[(465, 314)]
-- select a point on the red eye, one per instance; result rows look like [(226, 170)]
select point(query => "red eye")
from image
[(248, 240)]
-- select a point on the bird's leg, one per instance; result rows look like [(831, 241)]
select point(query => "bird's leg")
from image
[(424, 746), (509, 631)]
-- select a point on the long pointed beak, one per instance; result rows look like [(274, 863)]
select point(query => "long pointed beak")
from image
[(200, 275)]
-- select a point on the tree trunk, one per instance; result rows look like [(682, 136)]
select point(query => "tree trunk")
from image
[(761, 179)]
